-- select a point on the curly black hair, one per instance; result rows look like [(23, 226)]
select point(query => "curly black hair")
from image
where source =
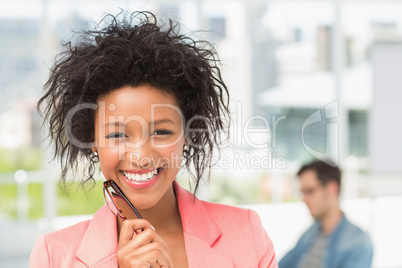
[(134, 50)]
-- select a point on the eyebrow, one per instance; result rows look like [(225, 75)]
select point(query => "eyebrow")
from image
[(119, 124), (156, 122), (161, 121)]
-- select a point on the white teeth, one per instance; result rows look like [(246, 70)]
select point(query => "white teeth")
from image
[(137, 177), (144, 177), (141, 177)]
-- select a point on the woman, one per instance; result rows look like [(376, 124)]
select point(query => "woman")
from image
[(143, 100)]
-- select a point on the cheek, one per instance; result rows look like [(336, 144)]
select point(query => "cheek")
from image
[(308, 202), (108, 158), (313, 202), (320, 202), (174, 155)]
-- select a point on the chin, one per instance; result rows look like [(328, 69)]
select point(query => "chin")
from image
[(314, 215), (317, 217), (143, 205)]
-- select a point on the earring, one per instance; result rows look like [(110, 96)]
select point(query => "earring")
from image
[(185, 150), (94, 157)]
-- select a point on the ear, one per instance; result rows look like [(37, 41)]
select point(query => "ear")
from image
[(94, 148), (333, 188)]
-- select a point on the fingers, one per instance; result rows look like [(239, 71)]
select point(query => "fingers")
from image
[(130, 228), (142, 229), (145, 237), (150, 255), (140, 246)]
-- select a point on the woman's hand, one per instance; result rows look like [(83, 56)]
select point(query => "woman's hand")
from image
[(145, 249)]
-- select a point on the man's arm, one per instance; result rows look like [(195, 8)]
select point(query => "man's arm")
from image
[(288, 261)]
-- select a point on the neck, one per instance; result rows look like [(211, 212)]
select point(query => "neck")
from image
[(331, 220), (165, 214)]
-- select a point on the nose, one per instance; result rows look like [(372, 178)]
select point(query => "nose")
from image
[(140, 155)]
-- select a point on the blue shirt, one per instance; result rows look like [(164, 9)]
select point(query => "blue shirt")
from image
[(348, 247)]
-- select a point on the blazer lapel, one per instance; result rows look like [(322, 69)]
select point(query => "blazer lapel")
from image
[(98, 246), (200, 232)]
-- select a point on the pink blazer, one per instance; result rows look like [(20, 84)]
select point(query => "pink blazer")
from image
[(215, 236)]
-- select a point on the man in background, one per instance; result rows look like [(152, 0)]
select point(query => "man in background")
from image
[(332, 241)]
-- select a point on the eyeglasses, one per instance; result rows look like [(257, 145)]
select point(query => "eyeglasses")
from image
[(118, 203), (310, 191)]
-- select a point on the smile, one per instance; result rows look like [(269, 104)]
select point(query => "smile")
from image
[(141, 179)]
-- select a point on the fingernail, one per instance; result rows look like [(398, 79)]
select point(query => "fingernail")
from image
[(153, 227)]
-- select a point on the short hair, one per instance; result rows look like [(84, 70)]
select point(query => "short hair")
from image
[(326, 171), (135, 50)]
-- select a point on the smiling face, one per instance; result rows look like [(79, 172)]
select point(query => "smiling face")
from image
[(139, 138)]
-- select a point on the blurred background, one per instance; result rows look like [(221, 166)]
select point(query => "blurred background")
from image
[(308, 79)]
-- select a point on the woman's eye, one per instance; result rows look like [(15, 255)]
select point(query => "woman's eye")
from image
[(116, 135), (161, 132)]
